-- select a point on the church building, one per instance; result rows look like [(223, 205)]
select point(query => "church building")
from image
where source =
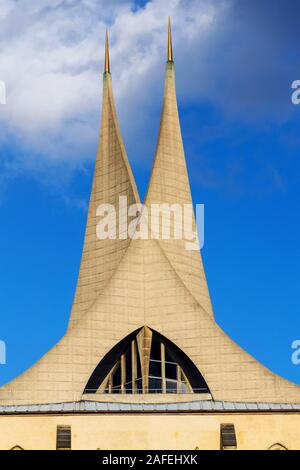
[(143, 364)]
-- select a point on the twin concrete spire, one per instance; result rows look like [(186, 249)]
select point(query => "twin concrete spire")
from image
[(170, 49), (127, 284)]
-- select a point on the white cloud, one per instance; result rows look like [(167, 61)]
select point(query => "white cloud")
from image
[(51, 58)]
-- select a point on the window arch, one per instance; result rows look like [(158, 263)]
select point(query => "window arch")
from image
[(146, 362), (16, 448)]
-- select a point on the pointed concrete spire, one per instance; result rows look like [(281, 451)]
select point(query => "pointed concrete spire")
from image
[(112, 178), (169, 184), (107, 64), (170, 46)]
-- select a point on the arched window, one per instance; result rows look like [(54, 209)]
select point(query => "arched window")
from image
[(16, 448), (146, 362), (277, 447)]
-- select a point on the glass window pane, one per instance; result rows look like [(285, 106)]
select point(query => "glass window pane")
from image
[(155, 368), (171, 370), (155, 385), (171, 386)]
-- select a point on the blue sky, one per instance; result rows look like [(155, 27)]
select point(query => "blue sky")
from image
[(235, 63)]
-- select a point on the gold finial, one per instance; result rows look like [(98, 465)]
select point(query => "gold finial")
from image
[(107, 66), (170, 48)]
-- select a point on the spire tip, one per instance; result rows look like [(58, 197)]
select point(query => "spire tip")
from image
[(170, 47), (107, 65)]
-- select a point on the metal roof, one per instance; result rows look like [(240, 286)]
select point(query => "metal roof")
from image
[(205, 406)]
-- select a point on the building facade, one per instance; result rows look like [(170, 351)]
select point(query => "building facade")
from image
[(143, 363)]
